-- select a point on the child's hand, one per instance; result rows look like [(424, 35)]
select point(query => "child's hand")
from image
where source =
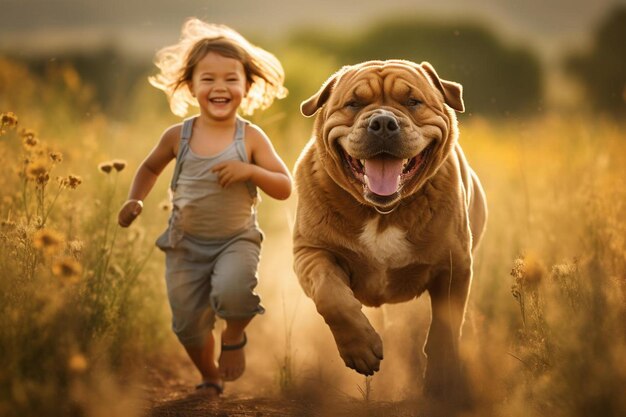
[(129, 212), (229, 172)]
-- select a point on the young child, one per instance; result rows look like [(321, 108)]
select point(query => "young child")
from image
[(212, 243)]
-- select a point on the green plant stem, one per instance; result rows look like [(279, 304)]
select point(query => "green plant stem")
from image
[(25, 198), (47, 213), (108, 225)]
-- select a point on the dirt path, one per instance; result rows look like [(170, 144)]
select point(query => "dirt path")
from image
[(169, 393)]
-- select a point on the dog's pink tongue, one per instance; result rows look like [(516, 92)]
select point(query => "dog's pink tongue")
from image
[(383, 174)]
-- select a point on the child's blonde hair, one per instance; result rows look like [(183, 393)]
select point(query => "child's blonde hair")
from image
[(264, 73)]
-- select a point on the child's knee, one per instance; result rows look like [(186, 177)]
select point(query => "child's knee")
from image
[(236, 302), (193, 327)]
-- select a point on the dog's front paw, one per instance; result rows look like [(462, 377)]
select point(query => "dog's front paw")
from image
[(360, 347)]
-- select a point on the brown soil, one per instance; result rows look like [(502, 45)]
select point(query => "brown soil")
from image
[(170, 393)]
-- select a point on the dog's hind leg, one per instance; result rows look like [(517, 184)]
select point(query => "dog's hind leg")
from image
[(444, 376)]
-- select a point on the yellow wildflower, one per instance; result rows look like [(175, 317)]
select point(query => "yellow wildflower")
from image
[(47, 240), (68, 269), (118, 164), (105, 167), (77, 363)]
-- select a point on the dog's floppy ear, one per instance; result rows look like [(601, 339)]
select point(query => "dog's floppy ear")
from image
[(452, 92), (310, 106)]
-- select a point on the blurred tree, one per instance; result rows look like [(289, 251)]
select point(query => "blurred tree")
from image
[(110, 73), (498, 79), (602, 70)]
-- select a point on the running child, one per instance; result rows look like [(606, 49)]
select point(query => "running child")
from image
[(213, 241)]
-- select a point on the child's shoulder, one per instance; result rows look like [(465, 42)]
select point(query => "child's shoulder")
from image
[(172, 133), (254, 132), (170, 138)]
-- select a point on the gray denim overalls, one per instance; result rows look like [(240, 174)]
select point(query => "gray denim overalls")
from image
[(217, 275)]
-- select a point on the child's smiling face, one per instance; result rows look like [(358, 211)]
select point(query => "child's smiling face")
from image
[(219, 85)]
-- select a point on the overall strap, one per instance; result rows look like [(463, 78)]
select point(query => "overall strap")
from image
[(240, 145), (183, 148)]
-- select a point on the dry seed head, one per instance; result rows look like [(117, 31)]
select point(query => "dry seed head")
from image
[(56, 157), (76, 247), (105, 167), (47, 240), (118, 164), (42, 179), (528, 272), (7, 120), (517, 273), (29, 141), (74, 181), (28, 134), (563, 270), (67, 269), (71, 181), (7, 224), (36, 169)]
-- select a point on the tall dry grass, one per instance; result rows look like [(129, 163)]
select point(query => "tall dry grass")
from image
[(544, 334), (557, 192), (77, 305)]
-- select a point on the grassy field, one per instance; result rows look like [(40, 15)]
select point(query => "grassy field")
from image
[(82, 302)]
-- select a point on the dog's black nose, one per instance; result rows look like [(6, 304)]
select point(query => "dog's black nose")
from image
[(383, 125)]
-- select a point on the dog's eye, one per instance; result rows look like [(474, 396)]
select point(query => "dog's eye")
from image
[(413, 102), (354, 105)]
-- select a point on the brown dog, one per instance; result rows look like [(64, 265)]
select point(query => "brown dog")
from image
[(388, 208)]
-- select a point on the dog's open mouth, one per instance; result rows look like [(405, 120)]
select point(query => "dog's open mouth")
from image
[(384, 175)]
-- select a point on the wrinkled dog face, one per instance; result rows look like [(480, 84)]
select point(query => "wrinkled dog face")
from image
[(384, 128)]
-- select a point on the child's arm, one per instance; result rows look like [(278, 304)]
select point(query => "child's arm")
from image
[(147, 174), (267, 171)]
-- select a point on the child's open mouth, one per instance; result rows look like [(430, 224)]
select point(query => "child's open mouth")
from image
[(219, 100)]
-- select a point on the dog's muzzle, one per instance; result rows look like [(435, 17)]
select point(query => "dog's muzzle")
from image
[(383, 125)]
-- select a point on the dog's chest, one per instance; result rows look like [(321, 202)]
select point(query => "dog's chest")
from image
[(387, 248)]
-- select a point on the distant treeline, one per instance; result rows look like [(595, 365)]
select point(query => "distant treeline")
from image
[(498, 79)]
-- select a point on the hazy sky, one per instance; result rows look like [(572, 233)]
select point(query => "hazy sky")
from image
[(148, 24)]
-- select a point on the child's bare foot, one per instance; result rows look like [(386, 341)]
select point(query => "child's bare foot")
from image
[(232, 361)]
